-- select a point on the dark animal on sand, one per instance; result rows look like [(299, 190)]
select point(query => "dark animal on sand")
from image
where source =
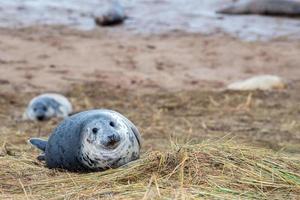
[(263, 7), (113, 16), (92, 140)]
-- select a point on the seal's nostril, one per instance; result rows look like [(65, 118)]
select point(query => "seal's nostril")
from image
[(118, 138), (115, 138), (111, 137)]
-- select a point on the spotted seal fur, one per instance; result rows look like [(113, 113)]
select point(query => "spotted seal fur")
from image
[(92, 140)]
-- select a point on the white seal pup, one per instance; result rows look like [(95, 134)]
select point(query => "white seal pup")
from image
[(261, 82), (92, 140), (114, 15), (46, 106), (263, 7)]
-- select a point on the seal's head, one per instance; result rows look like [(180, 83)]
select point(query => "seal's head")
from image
[(103, 133), (108, 141), (39, 110), (46, 106)]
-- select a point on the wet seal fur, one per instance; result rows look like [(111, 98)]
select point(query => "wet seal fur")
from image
[(114, 15), (46, 106), (289, 8), (92, 140)]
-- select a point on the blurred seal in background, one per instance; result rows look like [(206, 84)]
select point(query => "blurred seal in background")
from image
[(114, 15), (46, 106), (263, 7)]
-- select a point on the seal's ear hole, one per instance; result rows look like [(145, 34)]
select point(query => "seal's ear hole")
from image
[(112, 124), (94, 130)]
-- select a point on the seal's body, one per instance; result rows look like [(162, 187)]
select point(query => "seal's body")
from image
[(114, 15), (48, 105), (263, 7), (260, 82), (91, 141)]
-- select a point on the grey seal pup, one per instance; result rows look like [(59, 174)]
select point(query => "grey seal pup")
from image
[(114, 15), (92, 140), (263, 7), (46, 106)]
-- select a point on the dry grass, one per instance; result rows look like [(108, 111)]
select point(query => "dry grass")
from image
[(209, 170), (183, 157)]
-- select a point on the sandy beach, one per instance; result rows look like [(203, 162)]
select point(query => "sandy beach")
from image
[(52, 58)]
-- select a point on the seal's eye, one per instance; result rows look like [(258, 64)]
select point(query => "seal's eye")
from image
[(44, 108), (34, 109), (112, 124), (94, 130)]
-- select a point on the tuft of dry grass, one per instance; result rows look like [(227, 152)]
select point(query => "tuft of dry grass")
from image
[(219, 169), (196, 164)]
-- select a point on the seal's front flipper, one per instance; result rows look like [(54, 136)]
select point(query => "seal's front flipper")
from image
[(41, 157), (73, 113), (38, 143)]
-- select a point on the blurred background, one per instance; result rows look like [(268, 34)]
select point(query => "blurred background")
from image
[(163, 43), (147, 16)]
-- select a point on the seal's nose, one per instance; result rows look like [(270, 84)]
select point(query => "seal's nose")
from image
[(113, 139), (40, 117)]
